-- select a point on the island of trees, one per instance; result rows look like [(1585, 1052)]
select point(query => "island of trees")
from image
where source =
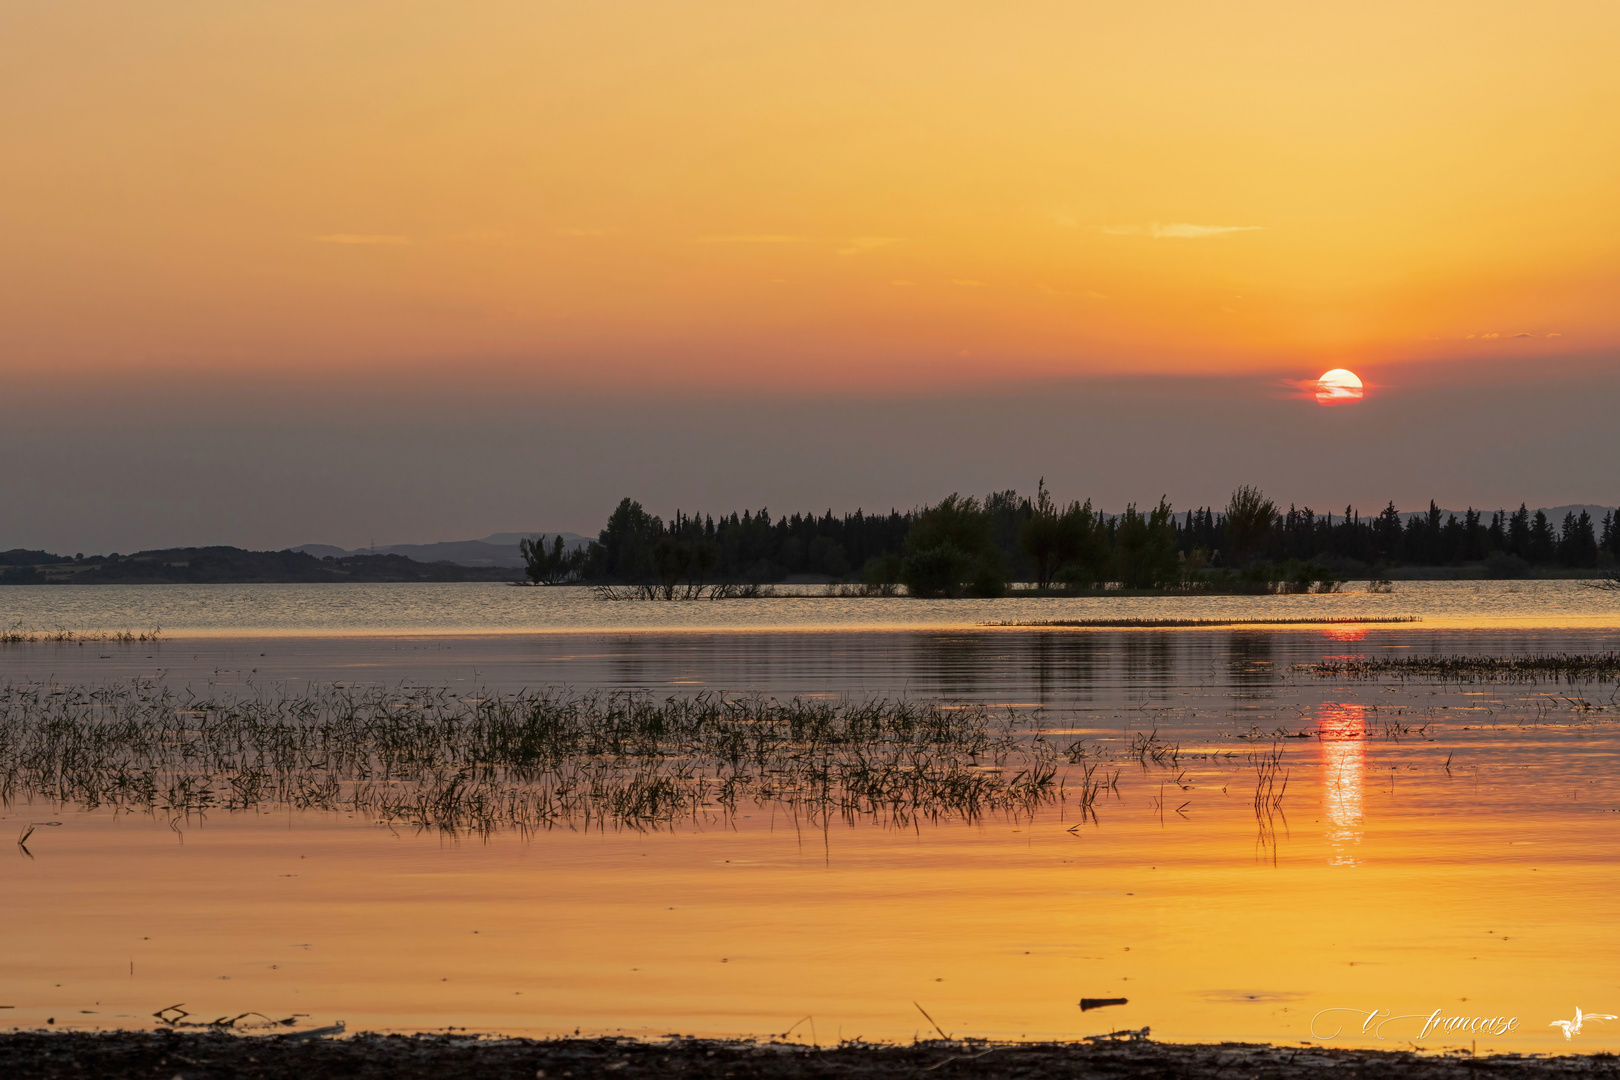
[(965, 546)]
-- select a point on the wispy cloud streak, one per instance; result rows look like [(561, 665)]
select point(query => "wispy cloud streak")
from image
[(363, 238), (858, 244), (762, 238), (1176, 230)]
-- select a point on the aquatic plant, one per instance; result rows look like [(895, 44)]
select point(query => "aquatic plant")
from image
[(1148, 624), (1566, 667), (527, 761), (17, 634)]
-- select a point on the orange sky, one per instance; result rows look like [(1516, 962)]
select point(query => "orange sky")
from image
[(831, 195)]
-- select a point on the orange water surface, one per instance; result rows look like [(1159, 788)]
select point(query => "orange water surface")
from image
[(1436, 847)]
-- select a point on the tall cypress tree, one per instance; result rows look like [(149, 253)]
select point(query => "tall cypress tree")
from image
[(1543, 541)]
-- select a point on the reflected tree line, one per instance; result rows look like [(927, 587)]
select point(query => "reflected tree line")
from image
[(966, 546)]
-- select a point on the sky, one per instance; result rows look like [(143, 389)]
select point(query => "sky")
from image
[(333, 272)]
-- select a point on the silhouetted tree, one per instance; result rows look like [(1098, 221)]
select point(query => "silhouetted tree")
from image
[(1084, 549), (951, 549), (623, 550), (550, 566), (1386, 529), (1518, 533), (1039, 537), (1249, 516), (1543, 541), (1145, 548), (1576, 544)]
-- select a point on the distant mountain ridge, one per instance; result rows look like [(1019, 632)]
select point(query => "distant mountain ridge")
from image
[(495, 550), (1555, 514)]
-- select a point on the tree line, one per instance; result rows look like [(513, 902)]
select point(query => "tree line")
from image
[(964, 545)]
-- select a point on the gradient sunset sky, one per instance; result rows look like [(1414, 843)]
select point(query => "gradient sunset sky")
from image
[(264, 255)]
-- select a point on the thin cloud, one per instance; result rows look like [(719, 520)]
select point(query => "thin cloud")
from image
[(968, 283), (1088, 294), (589, 232), (858, 244), (761, 238), (1176, 230), (480, 236), (363, 238)]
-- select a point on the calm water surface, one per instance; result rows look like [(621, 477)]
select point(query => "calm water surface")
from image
[(484, 608), (1451, 847)]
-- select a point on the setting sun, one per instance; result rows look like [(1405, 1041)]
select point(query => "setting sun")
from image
[(1340, 386)]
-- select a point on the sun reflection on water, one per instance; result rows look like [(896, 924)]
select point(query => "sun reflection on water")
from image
[(1342, 730)]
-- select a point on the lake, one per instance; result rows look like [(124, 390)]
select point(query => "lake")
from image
[(1256, 851)]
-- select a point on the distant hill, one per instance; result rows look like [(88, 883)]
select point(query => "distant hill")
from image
[(228, 565), (1555, 514), (571, 541), (495, 550)]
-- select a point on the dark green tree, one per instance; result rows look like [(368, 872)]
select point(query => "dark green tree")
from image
[(1084, 554), (1518, 533), (1576, 545), (1249, 517), (624, 549), (1543, 541), (1386, 529), (1145, 548), (1040, 537), (951, 550)]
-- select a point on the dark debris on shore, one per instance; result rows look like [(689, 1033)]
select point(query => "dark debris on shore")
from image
[(216, 1056)]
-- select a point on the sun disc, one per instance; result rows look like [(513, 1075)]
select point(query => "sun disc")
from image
[(1341, 386)]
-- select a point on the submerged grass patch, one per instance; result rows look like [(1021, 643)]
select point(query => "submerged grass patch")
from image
[(1129, 624), (18, 634), (526, 761), (1560, 667)]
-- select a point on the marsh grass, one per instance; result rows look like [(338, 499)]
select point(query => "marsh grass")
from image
[(1562, 667), (1150, 624), (523, 761), (689, 590), (1270, 784), (1093, 785), (17, 634)]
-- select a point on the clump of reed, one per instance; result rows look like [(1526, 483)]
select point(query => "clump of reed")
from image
[(689, 590), (428, 759), (18, 634), (1562, 667), (1149, 624), (1270, 784), (1091, 786)]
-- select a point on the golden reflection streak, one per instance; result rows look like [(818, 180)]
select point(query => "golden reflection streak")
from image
[(1342, 736)]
